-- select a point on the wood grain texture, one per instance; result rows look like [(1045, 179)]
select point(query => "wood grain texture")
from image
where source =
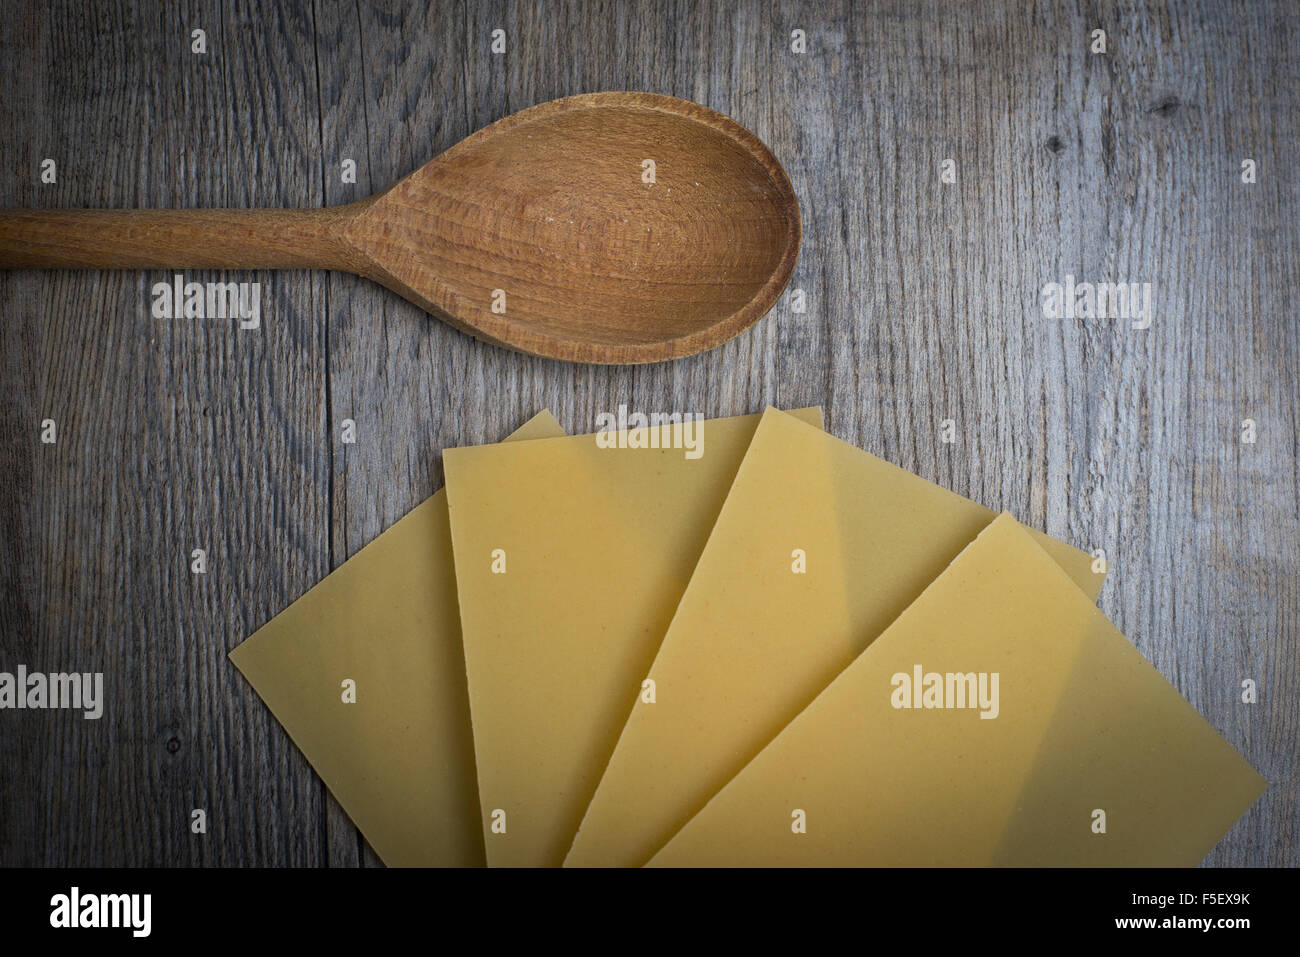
[(597, 254), (923, 305)]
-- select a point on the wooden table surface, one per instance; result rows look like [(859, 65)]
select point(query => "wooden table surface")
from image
[(922, 304)]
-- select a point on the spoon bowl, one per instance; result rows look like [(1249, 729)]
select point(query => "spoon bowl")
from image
[(606, 227), (552, 207)]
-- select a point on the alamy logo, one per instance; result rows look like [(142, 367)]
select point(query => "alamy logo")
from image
[(658, 430), (35, 690), (75, 909), (931, 689), (179, 299), (1101, 300)]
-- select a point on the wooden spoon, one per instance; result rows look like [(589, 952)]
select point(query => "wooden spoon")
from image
[(545, 214)]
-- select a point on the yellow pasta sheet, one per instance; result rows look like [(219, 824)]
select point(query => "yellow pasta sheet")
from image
[(1066, 747)]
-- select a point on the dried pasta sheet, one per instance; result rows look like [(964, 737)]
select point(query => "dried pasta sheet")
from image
[(1001, 720)]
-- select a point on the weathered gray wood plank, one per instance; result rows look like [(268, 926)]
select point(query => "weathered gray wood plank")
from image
[(923, 305), (174, 435)]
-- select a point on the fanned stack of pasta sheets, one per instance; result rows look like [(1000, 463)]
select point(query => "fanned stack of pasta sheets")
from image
[(733, 642)]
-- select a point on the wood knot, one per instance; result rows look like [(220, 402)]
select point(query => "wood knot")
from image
[(1054, 144), (1166, 107)]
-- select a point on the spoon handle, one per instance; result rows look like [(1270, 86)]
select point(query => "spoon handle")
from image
[(175, 238)]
